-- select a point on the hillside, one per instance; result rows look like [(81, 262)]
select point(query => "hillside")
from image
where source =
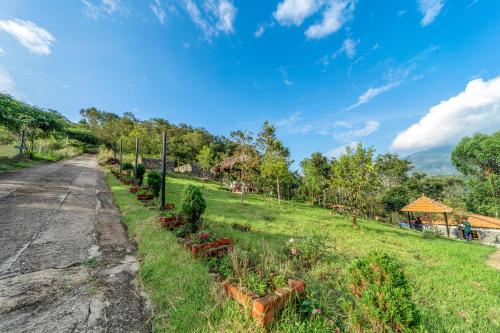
[(435, 161), (453, 288)]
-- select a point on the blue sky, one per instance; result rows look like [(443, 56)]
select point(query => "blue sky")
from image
[(399, 75)]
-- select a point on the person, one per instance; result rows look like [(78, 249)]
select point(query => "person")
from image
[(418, 223), (467, 228)]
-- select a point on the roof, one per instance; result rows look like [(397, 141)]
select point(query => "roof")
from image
[(427, 205), (476, 220), (229, 163)]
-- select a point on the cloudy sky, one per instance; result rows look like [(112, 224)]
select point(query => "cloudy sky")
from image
[(402, 76)]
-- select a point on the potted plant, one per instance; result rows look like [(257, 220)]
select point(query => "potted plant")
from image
[(154, 182), (193, 206)]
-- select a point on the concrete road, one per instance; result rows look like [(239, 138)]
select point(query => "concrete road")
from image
[(66, 264)]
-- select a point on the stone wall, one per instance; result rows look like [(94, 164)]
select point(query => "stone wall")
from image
[(155, 164), (488, 236)]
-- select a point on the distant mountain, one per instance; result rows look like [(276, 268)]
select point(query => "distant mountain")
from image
[(436, 161)]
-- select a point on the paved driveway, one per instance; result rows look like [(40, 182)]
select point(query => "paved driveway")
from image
[(65, 262)]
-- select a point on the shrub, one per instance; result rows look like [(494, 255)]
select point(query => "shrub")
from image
[(140, 173), (127, 167), (154, 182), (193, 206), (308, 250), (382, 296)]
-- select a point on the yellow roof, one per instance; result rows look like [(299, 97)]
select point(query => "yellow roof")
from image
[(476, 220), (427, 205)]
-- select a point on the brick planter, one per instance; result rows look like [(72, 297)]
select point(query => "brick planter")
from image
[(144, 197), (133, 190), (171, 223), (216, 248), (266, 309)]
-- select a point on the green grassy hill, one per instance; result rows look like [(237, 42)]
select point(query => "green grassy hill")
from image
[(453, 288)]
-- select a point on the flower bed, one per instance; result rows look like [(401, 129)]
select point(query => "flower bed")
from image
[(145, 197), (266, 309), (214, 248), (171, 222)]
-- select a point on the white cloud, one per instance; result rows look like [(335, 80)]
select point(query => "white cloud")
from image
[(293, 124), (260, 31), (430, 9), (368, 128), (95, 9), (348, 48), (31, 36), (477, 108), (158, 10), (2, 52), (214, 17), (294, 12), (371, 93), (7, 84), (334, 17), (339, 151)]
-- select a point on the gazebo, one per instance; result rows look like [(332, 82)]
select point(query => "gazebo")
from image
[(427, 205)]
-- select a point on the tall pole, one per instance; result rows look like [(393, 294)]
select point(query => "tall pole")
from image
[(21, 148), (163, 170), (136, 160), (121, 155), (446, 222)]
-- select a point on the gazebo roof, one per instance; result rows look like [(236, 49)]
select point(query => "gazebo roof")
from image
[(427, 205)]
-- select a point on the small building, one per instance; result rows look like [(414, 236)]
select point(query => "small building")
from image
[(485, 229)]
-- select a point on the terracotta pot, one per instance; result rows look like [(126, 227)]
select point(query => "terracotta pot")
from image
[(169, 206), (195, 248)]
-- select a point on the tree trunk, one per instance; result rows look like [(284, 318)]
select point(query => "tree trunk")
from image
[(324, 198), (354, 223), (390, 217), (241, 187), (203, 175), (278, 190)]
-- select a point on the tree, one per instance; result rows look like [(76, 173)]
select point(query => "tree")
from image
[(479, 158), (205, 159), (193, 206), (394, 199), (275, 158), (354, 175), (391, 169), (246, 158), (316, 170)]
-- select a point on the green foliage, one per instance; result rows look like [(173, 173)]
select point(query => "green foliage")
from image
[(391, 169), (127, 167), (317, 175), (154, 182), (193, 206), (141, 170), (382, 296), (355, 180), (395, 198), (310, 250), (479, 157)]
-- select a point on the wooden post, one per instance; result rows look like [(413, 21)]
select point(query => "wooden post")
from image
[(409, 219), (446, 222), (136, 160), (121, 155), (21, 147), (163, 170)]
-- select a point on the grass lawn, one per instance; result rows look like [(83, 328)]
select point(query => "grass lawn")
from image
[(10, 160), (454, 290)]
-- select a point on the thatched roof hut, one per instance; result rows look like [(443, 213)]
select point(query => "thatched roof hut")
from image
[(229, 163)]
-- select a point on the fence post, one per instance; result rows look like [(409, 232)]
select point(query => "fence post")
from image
[(121, 155), (136, 159), (163, 170)]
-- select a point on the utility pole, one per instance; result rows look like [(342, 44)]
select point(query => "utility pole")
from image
[(121, 155), (136, 160), (163, 170)]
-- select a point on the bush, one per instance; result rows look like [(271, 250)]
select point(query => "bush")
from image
[(193, 206), (382, 296), (154, 182), (127, 167), (141, 170), (308, 250)]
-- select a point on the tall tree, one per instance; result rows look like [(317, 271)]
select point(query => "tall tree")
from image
[(354, 174), (316, 171), (205, 159), (246, 158), (479, 158)]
